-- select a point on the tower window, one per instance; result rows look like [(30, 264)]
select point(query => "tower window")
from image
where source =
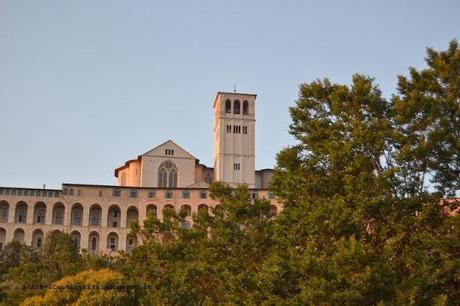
[(236, 107), (245, 129), (229, 128), (228, 107), (245, 107), (168, 152), (236, 166)]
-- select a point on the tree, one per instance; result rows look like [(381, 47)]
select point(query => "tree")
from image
[(103, 287), (359, 225), (427, 114), (25, 266)]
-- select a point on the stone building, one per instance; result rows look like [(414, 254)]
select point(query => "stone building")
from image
[(98, 217)]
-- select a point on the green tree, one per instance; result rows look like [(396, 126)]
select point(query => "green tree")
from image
[(427, 113), (359, 226), (25, 266)]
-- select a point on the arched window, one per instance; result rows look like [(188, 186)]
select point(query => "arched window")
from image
[(236, 106), (39, 213), (76, 214), (112, 241), (113, 218), (130, 243), (228, 107), (37, 239), (20, 215), (245, 107), (93, 242), (187, 210), (167, 174), (132, 216), (2, 238), (4, 208), (152, 210), (19, 235), (76, 236), (58, 213), (95, 214), (202, 209)]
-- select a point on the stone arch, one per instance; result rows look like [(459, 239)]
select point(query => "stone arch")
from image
[(39, 213), (93, 242), (19, 235), (76, 236), (2, 238), (37, 238), (167, 207), (132, 215), (152, 209), (228, 106), (20, 214), (76, 214), (203, 208), (112, 241), (237, 107), (114, 216), (4, 211), (186, 209), (58, 213), (95, 215), (245, 107)]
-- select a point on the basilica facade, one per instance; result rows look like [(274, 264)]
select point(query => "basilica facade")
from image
[(98, 217)]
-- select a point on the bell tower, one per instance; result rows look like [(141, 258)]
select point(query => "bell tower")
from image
[(234, 141)]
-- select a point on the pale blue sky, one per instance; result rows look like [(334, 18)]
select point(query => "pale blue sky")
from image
[(86, 85)]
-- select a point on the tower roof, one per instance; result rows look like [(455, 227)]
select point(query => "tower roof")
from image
[(231, 93)]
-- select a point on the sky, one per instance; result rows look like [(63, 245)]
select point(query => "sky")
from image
[(87, 85)]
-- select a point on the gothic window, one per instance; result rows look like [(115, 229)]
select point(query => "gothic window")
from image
[(167, 174), (236, 106), (245, 108), (228, 107)]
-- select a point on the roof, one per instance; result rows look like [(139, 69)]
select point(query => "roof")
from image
[(145, 153), (231, 93), (126, 165), (170, 141)]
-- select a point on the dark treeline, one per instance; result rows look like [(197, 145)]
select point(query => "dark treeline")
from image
[(364, 221)]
